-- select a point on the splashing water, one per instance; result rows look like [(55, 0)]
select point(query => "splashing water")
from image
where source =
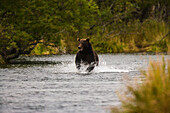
[(69, 67)]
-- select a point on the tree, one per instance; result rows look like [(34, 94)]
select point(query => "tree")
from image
[(24, 24), (116, 13)]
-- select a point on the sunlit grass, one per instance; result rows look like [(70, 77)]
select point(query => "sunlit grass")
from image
[(41, 49), (152, 95)]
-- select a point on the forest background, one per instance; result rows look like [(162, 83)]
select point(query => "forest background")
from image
[(43, 27)]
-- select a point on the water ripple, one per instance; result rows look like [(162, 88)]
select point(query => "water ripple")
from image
[(53, 84)]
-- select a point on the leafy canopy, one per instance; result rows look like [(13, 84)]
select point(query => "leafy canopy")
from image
[(26, 23)]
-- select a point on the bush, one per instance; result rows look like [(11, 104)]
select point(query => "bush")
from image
[(153, 95)]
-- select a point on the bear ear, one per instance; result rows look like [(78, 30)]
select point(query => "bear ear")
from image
[(78, 39), (87, 39)]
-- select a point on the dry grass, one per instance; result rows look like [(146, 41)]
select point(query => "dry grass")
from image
[(153, 95)]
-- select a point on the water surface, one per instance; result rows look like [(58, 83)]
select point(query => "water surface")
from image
[(52, 84)]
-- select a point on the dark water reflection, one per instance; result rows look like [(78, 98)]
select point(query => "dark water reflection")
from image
[(52, 84)]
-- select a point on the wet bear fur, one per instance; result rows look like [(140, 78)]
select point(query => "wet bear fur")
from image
[(86, 55)]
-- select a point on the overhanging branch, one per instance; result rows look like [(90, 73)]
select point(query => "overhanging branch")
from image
[(16, 55)]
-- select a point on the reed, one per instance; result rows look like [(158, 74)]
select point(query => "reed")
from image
[(152, 95)]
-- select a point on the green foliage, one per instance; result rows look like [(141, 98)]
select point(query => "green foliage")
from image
[(25, 23), (135, 26), (113, 25), (153, 95), (42, 49)]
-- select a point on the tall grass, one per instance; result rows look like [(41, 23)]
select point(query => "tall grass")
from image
[(153, 95), (146, 36), (134, 36)]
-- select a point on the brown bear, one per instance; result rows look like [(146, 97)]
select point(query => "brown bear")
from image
[(86, 55)]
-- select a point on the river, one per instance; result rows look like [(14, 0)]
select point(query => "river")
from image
[(52, 84)]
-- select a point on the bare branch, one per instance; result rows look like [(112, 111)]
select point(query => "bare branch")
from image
[(60, 31), (164, 36)]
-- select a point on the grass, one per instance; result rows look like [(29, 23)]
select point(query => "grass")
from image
[(152, 95), (136, 36)]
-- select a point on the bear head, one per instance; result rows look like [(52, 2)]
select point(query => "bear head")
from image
[(84, 45)]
